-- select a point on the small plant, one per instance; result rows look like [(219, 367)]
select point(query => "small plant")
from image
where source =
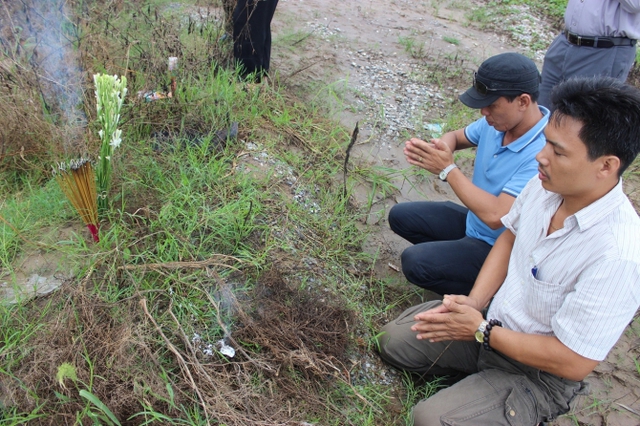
[(95, 409), (451, 40), (412, 47), (110, 93)]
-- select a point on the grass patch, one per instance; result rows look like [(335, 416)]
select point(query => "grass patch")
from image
[(210, 242)]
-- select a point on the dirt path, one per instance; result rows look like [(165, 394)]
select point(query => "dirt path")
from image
[(360, 48), (370, 58)]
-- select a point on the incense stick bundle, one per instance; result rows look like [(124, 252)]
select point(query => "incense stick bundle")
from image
[(78, 182)]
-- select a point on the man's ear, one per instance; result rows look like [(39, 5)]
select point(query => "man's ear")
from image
[(524, 100), (610, 164)]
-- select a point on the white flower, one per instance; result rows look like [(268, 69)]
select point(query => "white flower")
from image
[(100, 133), (116, 139)]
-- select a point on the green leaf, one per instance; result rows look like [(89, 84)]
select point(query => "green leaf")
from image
[(100, 405)]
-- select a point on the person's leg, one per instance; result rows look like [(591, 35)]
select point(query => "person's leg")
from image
[(445, 267), (252, 34), (552, 69), (623, 62), (270, 6), (398, 346), (422, 221), (498, 390), (490, 397)]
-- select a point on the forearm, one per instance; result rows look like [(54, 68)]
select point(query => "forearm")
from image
[(546, 353), (450, 139), (493, 271), (488, 207)]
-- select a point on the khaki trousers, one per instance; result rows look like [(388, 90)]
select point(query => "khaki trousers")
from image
[(498, 390)]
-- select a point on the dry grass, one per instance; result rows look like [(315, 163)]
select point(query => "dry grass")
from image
[(297, 346), (138, 354)]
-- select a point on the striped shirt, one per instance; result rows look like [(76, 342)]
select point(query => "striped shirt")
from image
[(581, 283)]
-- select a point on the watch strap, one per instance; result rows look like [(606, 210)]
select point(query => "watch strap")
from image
[(444, 173)]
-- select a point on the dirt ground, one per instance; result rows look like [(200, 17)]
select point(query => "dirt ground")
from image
[(359, 50)]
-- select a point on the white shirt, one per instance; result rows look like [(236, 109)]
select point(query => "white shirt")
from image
[(611, 18), (586, 287)]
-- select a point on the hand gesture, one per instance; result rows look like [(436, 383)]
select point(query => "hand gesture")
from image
[(433, 156), (456, 319)]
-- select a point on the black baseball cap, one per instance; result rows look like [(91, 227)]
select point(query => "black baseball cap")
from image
[(504, 74)]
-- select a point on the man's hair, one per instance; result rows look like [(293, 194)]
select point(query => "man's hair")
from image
[(511, 98), (609, 111)]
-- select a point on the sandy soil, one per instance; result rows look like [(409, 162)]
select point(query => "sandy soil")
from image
[(355, 54)]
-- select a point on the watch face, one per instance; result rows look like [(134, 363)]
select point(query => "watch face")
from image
[(443, 175), (479, 336)]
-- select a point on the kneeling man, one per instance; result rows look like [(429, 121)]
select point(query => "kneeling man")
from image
[(563, 280)]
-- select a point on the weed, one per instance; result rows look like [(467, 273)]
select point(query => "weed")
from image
[(412, 46), (451, 40), (417, 391)]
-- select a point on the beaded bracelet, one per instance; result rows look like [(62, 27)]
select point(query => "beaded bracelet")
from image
[(487, 330)]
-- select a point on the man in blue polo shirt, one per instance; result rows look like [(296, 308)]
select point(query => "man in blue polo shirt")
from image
[(452, 241)]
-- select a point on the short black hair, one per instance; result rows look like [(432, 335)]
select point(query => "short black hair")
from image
[(511, 98), (609, 111)]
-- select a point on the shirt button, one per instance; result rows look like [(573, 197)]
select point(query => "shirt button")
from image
[(512, 413), (495, 155)]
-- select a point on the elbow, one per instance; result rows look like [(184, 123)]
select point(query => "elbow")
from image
[(575, 369), (577, 375), (495, 222)]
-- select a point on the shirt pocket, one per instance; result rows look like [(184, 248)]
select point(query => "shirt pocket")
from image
[(543, 299)]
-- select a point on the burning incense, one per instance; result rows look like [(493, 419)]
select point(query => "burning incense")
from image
[(78, 182)]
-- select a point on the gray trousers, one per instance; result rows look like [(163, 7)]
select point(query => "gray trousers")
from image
[(498, 390), (564, 60)]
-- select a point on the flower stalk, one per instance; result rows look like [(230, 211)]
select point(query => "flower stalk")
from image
[(110, 92)]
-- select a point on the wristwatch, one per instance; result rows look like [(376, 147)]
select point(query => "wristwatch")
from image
[(480, 331), (443, 174)]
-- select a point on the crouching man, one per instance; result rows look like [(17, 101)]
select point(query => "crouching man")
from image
[(563, 279)]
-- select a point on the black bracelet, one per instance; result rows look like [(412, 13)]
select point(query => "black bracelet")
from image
[(487, 330)]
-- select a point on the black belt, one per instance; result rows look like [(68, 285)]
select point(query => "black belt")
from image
[(598, 41)]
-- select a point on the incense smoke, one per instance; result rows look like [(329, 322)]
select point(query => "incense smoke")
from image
[(44, 35)]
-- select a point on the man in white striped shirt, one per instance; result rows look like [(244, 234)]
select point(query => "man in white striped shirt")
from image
[(564, 277)]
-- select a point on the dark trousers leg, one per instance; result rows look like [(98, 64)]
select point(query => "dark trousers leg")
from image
[(443, 259), (252, 35)]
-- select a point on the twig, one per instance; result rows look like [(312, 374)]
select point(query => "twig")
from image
[(354, 137), (212, 261), (299, 70), (305, 37), (628, 408), (439, 356), (183, 365), (224, 327), (188, 344)]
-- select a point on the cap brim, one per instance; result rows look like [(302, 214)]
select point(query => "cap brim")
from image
[(473, 99)]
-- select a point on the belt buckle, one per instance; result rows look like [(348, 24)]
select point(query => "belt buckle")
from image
[(579, 38)]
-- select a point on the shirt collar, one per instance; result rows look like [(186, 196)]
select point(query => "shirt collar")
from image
[(532, 134), (599, 209), (594, 212)]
